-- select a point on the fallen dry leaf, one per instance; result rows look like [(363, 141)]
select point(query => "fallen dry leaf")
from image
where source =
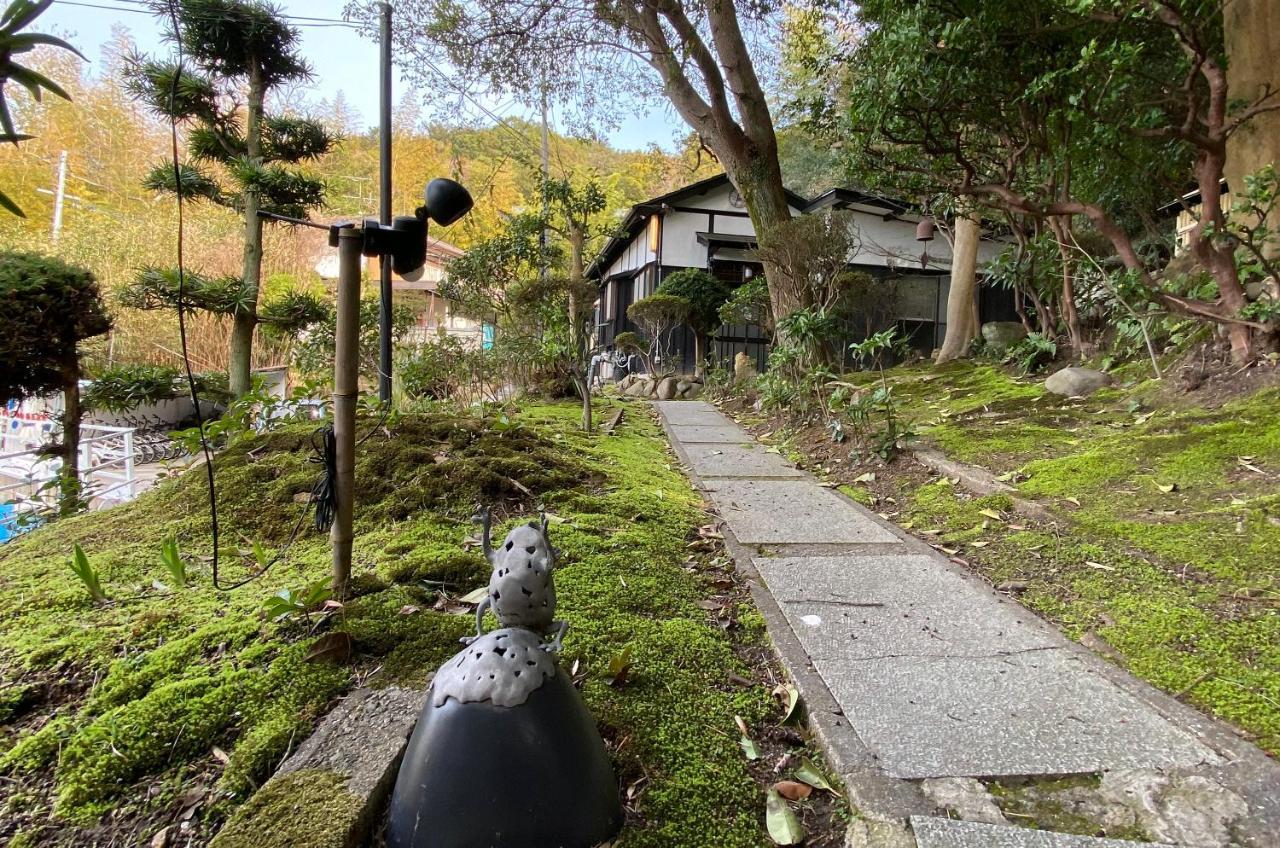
[(793, 790)]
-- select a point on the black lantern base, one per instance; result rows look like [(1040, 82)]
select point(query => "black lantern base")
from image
[(535, 775)]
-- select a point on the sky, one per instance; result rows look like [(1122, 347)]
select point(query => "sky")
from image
[(342, 59)]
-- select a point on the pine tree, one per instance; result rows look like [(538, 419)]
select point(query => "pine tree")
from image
[(239, 156)]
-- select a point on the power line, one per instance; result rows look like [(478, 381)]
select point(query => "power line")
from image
[(302, 21)]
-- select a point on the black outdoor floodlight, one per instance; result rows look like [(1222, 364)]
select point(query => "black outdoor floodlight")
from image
[(446, 201)]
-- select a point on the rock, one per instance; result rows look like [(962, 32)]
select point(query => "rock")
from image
[(1074, 381), (693, 392), (640, 388), (627, 382), (744, 368), (666, 389), (682, 386), (966, 797), (1000, 335), (1181, 809)]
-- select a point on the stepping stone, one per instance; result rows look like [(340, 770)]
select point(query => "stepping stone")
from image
[(933, 832), (862, 607), (1036, 712), (720, 434), (778, 512), (691, 412), (713, 460)]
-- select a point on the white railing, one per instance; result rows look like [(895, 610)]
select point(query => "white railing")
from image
[(106, 462)]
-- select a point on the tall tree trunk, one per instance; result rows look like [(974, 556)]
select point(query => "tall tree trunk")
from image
[(579, 314), (240, 354), (962, 324), (1061, 227), (1252, 30), (69, 488), (1219, 260)]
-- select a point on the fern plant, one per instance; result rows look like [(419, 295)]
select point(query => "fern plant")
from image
[(173, 561), (87, 575)]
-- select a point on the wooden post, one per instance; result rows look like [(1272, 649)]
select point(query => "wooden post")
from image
[(346, 376)]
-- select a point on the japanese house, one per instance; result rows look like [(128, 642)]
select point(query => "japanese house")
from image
[(705, 225)]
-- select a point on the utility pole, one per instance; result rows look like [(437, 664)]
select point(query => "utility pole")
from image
[(546, 175), (59, 195), (384, 207)]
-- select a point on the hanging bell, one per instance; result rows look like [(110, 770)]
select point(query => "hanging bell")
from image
[(924, 229)]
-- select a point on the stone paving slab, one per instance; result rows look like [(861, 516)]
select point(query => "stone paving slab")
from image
[(791, 512), (924, 609), (721, 434), (1036, 712), (718, 460), (934, 832), (691, 412)]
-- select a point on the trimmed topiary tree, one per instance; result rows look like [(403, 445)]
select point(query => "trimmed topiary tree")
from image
[(658, 314), (705, 294), (47, 308)]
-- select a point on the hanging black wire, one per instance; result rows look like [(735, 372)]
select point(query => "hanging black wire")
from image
[(323, 494)]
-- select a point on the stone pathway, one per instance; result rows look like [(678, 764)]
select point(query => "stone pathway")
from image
[(915, 670)]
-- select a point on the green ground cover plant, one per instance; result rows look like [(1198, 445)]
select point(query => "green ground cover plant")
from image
[(128, 708), (1172, 523)]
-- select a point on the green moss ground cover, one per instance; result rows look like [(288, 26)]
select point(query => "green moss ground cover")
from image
[(1173, 553), (115, 718)]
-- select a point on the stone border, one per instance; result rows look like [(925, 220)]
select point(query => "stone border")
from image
[(358, 744)]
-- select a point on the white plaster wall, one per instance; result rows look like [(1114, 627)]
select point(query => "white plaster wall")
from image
[(637, 255), (680, 245), (882, 241)]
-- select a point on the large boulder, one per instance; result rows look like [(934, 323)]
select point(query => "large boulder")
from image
[(1074, 381), (1002, 335), (693, 391), (744, 368), (667, 388)]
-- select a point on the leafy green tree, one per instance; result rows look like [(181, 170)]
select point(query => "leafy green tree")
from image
[(1059, 114), (47, 308), (13, 41), (658, 315), (239, 156), (600, 57), (312, 353), (576, 214), (705, 294)]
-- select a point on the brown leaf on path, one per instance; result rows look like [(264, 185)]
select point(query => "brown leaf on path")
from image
[(792, 790)]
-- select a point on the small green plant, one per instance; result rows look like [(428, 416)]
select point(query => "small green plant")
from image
[(895, 432), (87, 575), (173, 561), (1032, 353), (288, 603)]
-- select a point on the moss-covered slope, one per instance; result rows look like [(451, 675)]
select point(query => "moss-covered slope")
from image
[(126, 709)]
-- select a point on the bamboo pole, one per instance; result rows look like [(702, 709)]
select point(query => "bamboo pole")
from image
[(346, 376)]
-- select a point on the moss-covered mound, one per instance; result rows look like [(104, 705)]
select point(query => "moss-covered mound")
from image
[(173, 701), (1171, 557)]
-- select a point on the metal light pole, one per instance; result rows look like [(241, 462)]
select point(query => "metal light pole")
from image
[(384, 208)]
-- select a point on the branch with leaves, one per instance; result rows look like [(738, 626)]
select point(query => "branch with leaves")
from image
[(14, 42)]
